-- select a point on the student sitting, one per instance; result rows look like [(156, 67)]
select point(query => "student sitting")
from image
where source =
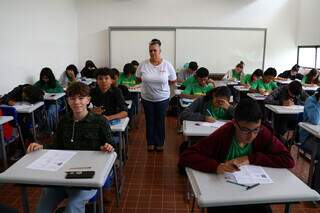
[(77, 130), (106, 99), (235, 74), (249, 79), (186, 73), (286, 95), (245, 140), (311, 115), (127, 78), (265, 85), (311, 79), (135, 65), (70, 75), (49, 84), (291, 74), (89, 70), (200, 87), (214, 106)]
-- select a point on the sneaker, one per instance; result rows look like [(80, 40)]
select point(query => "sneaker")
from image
[(150, 148), (159, 148)]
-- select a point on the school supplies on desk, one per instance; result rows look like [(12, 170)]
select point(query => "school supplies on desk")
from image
[(114, 122)]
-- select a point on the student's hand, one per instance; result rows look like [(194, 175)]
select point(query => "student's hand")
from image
[(240, 161), (263, 92), (11, 102), (106, 148), (98, 110), (288, 102), (34, 147), (246, 85), (71, 74), (210, 119), (223, 168), (210, 81), (223, 103)]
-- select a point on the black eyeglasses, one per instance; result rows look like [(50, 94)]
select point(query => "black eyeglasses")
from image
[(247, 131)]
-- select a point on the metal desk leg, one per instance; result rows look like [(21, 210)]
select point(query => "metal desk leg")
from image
[(287, 208), (3, 147), (24, 198), (34, 126), (312, 163), (116, 185), (100, 191), (57, 113), (121, 162)]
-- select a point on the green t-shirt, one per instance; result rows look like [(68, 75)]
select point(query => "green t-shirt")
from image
[(196, 89), (247, 79), (57, 89), (217, 113), (236, 75), (191, 80), (304, 79), (127, 81), (236, 151), (268, 87)]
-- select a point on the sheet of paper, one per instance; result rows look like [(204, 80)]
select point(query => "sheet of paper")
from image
[(52, 160), (249, 175), (216, 124), (293, 107)]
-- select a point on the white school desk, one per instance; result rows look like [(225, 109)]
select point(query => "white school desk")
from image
[(287, 110), (123, 133), (185, 102), (257, 96), (312, 89), (136, 88), (54, 97), (315, 131), (100, 162), (212, 190), (241, 88), (88, 81), (129, 103), (195, 129), (288, 81), (27, 108), (225, 83), (3, 120)]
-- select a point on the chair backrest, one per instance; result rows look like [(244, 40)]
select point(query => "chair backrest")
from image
[(10, 111)]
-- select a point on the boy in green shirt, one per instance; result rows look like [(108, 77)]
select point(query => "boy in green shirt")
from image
[(249, 79), (200, 87), (265, 85), (127, 78)]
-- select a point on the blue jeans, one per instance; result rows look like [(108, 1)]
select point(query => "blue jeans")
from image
[(52, 196), (155, 113), (52, 111)]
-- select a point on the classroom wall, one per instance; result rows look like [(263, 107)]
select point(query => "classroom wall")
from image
[(34, 34), (95, 16), (308, 31)]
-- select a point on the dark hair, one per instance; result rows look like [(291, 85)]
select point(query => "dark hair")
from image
[(317, 94), (295, 88), (78, 88), (295, 67), (312, 73), (104, 71), (46, 71), (257, 72), (114, 72), (222, 91), (240, 65), (193, 65), (202, 72), (73, 68), (32, 94), (270, 72), (128, 69), (135, 63), (155, 41), (248, 110)]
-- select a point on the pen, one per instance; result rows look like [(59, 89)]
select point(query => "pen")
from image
[(209, 113), (252, 186), (84, 167), (239, 184)]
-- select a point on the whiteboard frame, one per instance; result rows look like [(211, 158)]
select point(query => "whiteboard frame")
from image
[(175, 28)]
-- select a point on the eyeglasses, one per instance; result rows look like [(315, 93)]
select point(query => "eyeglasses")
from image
[(247, 131)]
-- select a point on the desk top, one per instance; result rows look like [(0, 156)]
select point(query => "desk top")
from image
[(24, 107), (185, 102), (121, 127), (198, 128), (88, 81), (242, 88), (136, 88), (294, 109), (310, 88), (99, 162), (213, 190), (288, 81), (53, 96), (129, 103), (311, 128), (5, 119), (257, 96)]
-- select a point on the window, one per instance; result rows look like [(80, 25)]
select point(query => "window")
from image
[(309, 56)]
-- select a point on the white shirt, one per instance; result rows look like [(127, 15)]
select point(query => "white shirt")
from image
[(155, 85)]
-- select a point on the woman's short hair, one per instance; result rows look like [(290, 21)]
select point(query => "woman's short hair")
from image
[(155, 41)]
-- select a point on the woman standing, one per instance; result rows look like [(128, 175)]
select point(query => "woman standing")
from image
[(155, 74)]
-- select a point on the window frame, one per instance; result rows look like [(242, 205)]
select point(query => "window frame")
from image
[(317, 52)]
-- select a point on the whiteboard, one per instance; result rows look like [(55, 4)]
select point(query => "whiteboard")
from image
[(133, 44), (221, 49)]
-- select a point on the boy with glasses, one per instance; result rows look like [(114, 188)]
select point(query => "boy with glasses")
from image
[(245, 140)]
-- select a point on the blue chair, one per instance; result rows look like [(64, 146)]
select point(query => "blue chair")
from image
[(11, 111)]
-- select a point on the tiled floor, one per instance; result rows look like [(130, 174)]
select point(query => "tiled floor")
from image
[(152, 182)]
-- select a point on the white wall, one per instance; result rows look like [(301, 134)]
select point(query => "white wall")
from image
[(95, 16), (34, 34), (308, 24)]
